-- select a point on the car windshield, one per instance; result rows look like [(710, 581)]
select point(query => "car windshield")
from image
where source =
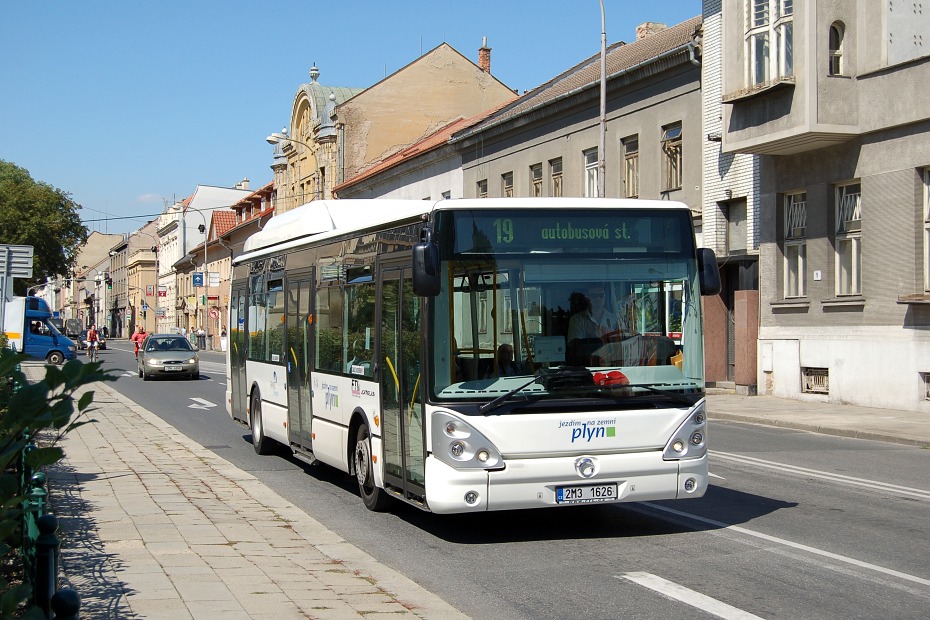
[(168, 344)]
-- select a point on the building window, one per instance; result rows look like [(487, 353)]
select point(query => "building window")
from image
[(671, 157), (736, 226), (482, 188), (631, 166), (836, 49), (769, 40), (536, 180), (507, 185), (926, 191), (795, 244), (848, 239), (555, 177), (590, 173)]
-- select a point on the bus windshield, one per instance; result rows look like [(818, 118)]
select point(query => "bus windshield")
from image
[(591, 302)]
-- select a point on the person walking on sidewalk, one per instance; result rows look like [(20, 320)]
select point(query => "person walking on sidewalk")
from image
[(137, 338)]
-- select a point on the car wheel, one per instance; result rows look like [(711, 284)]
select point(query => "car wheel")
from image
[(374, 498), (260, 443), (145, 375), (56, 358), (139, 369)]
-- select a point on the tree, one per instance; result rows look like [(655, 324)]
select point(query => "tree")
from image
[(45, 217)]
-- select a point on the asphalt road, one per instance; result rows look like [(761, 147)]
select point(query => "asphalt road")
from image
[(795, 525)]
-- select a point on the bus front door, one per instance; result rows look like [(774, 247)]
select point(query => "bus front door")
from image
[(403, 437)]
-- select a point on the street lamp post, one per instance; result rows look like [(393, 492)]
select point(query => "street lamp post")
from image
[(206, 281)]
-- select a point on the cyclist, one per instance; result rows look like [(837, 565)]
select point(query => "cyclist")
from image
[(137, 338), (93, 341)]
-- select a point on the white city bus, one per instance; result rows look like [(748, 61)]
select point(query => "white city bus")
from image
[(474, 355)]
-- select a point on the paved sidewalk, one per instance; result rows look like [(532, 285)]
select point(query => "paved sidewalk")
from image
[(155, 526), (904, 427)]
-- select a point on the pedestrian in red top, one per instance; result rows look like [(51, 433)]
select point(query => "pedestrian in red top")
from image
[(137, 338)]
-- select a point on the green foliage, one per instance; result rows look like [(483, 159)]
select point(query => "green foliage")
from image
[(45, 217), (48, 409)]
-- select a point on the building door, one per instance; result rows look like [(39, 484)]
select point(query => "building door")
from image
[(403, 431)]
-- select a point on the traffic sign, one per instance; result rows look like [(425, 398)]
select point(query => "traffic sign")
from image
[(16, 261), (214, 314), (198, 278), (145, 307)]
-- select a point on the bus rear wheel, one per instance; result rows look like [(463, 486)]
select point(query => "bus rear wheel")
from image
[(374, 498), (260, 443)]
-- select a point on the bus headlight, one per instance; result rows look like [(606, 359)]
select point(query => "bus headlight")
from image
[(690, 440), (458, 444)]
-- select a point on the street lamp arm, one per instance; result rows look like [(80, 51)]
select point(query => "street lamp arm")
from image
[(281, 136)]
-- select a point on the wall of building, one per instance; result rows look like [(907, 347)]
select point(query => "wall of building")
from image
[(642, 109), (874, 347), (438, 87)]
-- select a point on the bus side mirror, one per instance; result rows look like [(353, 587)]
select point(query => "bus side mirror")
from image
[(426, 266), (709, 273)]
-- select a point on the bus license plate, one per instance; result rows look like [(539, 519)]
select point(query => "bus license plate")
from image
[(178, 368), (588, 494)]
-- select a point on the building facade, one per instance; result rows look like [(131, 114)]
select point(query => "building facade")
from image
[(336, 133), (546, 142), (730, 214), (844, 211)]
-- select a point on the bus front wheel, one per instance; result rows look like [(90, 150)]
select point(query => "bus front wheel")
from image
[(374, 498), (262, 444)]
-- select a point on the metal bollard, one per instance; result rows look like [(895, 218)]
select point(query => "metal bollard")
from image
[(66, 605), (47, 555)]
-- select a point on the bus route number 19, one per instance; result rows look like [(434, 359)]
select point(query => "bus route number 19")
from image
[(504, 229)]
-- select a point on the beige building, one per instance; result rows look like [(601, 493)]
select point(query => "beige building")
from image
[(831, 96), (335, 133)]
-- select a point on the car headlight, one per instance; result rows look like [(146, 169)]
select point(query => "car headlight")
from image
[(192, 360), (72, 348), (153, 362)]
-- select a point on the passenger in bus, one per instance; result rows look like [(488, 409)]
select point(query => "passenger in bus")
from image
[(504, 366)]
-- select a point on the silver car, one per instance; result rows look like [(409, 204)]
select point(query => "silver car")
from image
[(163, 355)]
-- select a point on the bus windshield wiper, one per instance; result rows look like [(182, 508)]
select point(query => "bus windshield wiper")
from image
[(678, 398), (491, 405), (544, 377)]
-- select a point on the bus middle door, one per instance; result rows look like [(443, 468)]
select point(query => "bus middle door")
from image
[(403, 437)]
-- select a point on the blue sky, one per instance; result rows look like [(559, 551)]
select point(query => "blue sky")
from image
[(128, 104)]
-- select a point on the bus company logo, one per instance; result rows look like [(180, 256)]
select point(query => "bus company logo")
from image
[(331, 395), (356, 388), (588, 431)]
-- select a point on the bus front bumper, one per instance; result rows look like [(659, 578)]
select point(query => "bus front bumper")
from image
[(534, 482)]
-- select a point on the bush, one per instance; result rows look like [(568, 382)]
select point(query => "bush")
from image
[(49, 408)]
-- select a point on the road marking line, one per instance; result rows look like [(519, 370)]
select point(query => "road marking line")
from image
[(861, 482), (794, 545), (712, 475), (688, 596)]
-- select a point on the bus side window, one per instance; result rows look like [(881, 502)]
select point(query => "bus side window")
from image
[(329, 330)]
